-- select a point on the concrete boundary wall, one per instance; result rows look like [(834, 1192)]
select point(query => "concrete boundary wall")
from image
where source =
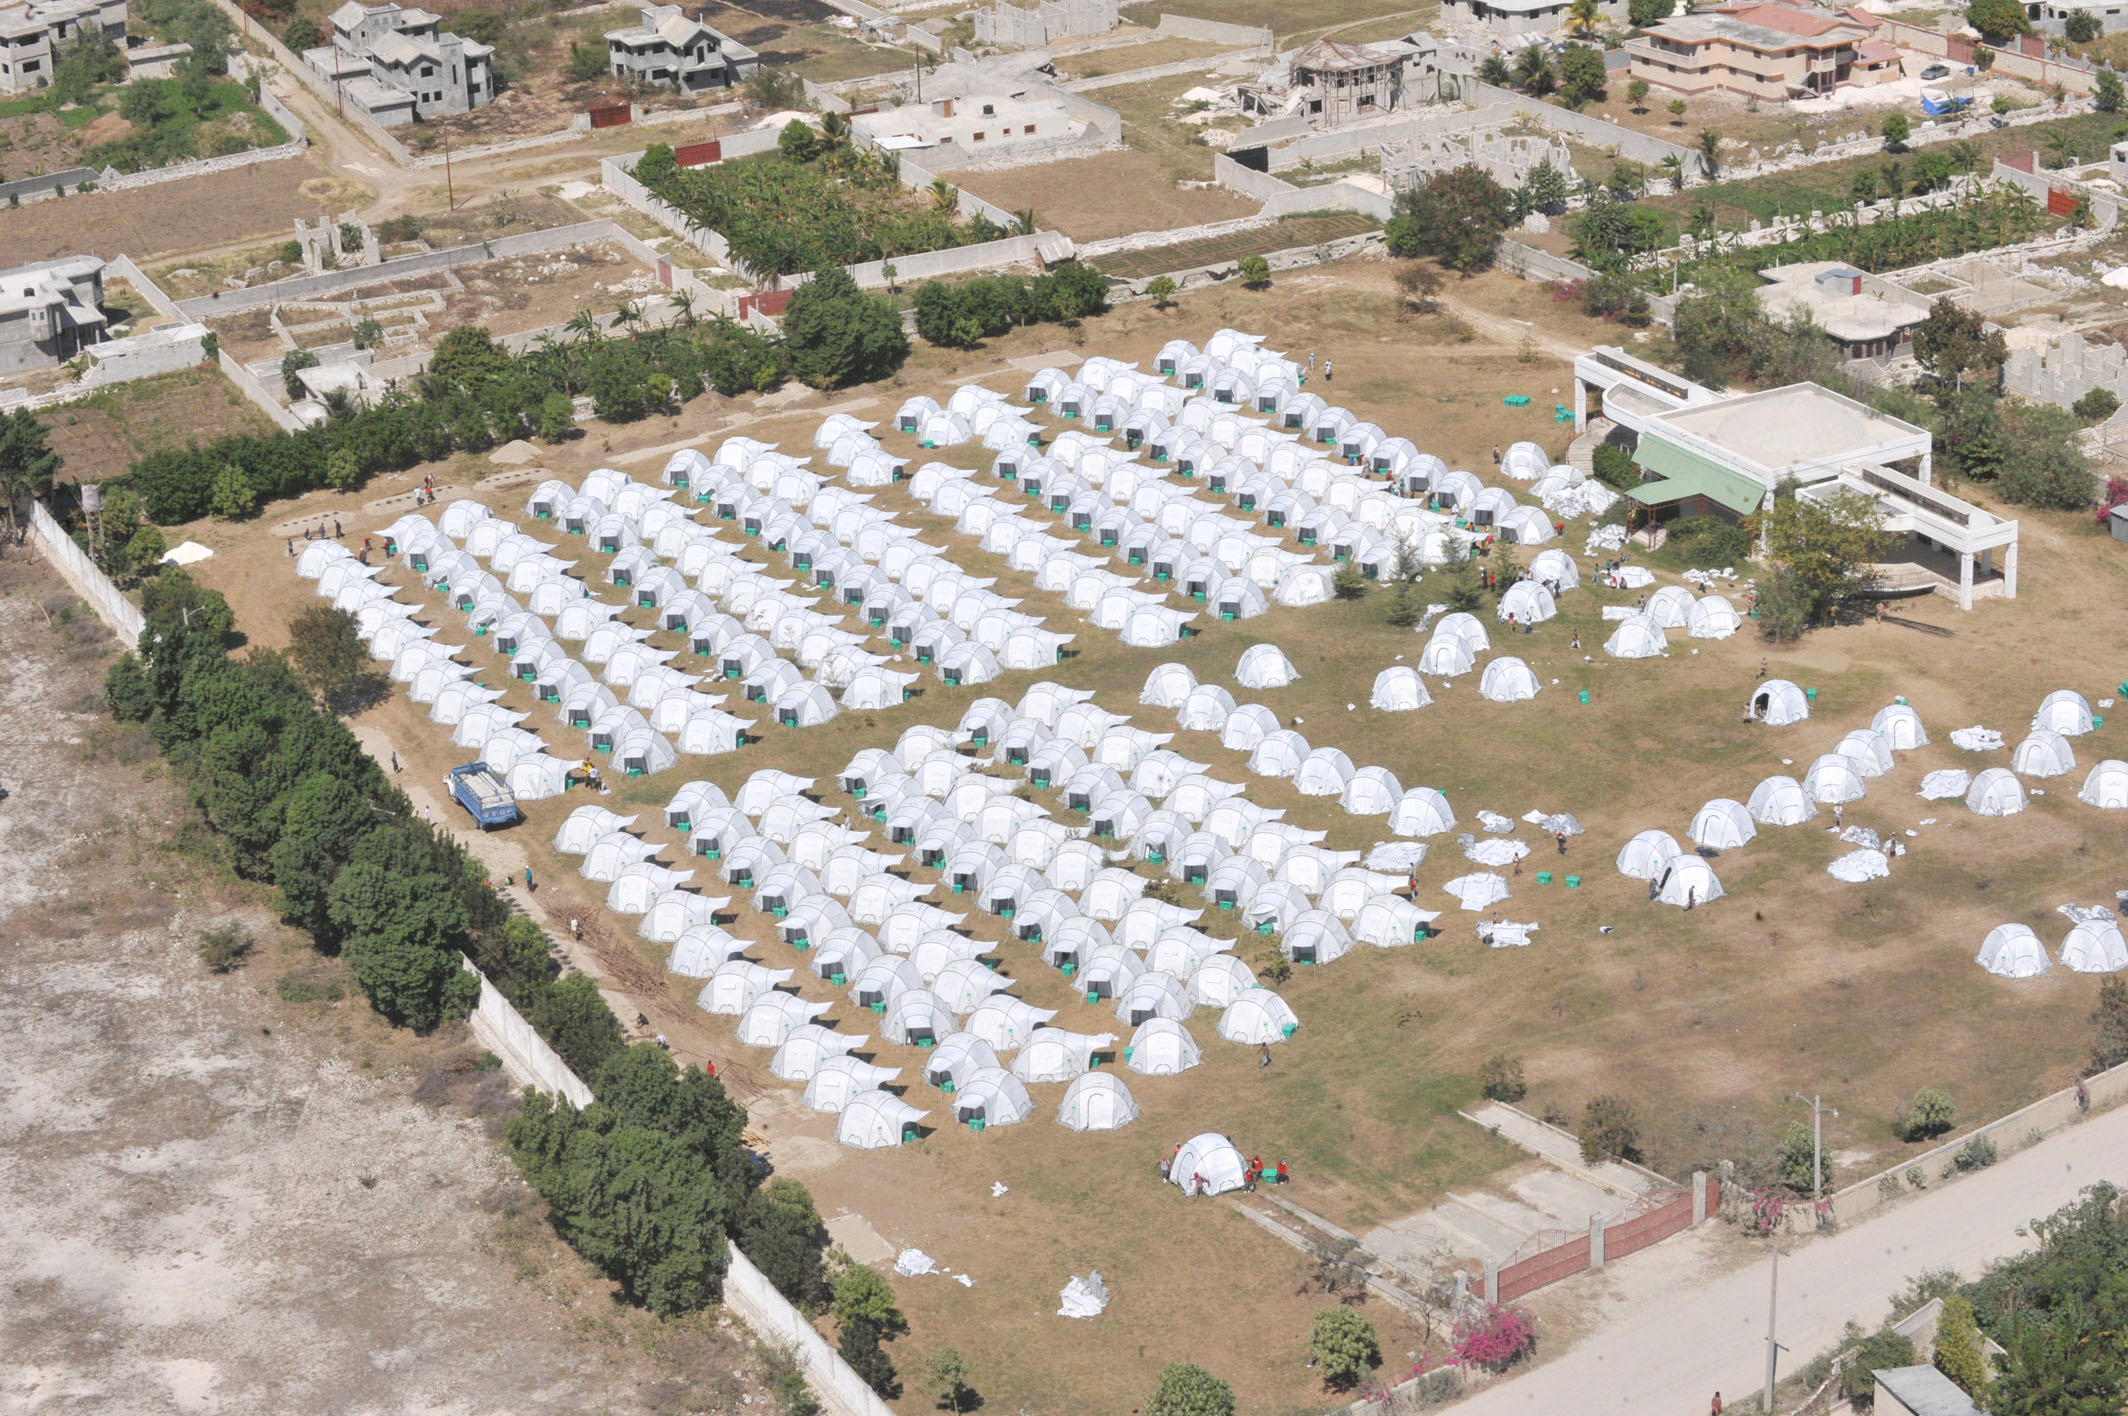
[(248, 384), (747, 1292), (1351, 141), (1216, 31), (82, 576), (24, 190), (617, 175), (2010, 1133)]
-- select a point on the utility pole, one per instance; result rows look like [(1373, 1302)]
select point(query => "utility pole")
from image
[(1773, 1348), (450, 193), (1818, 1112)]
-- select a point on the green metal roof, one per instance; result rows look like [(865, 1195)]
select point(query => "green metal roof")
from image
[(1681, 473)]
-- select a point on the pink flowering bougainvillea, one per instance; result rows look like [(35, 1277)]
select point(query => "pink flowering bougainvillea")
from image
[(1495, 1338)]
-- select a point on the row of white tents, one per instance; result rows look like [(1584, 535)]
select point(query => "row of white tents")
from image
[(2094, 945), (1280, 752)]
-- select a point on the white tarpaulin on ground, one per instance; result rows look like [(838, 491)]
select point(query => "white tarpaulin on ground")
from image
[(1083, 1297), (1946, 783), (911, 1262), (1506, 934), (1858, 866), (1496, 851), (1976, 739), (1477, 890)]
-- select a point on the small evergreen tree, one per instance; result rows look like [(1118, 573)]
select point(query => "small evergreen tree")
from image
[(1343, 1346), (1958, 1351)]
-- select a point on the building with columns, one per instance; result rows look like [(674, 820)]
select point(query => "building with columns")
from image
[(1707, 453)]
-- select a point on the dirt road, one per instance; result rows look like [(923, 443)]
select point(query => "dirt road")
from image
[(1675, 1352)]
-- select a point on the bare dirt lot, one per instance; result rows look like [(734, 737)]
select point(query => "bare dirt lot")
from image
[(239, 1193), (195, 214), (1111, 194), (1704, 1021)]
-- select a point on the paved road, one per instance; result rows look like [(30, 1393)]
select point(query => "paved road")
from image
[(1669, 1357)]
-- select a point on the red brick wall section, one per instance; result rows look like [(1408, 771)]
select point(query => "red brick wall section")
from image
[(1644, 1229), (1961, 51), (767, 302), (2022, 161), (2060, 203), (698, 154), (1550, 1266), (611, 115)]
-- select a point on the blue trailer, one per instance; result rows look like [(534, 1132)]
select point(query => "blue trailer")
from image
[(481, 790)]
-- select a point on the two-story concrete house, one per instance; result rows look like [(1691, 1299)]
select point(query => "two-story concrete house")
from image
[(668, 49), (397, 64), (35, 34), (49, 312), (1763, 50)]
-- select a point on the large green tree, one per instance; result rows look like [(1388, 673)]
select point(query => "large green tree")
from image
[(402, 932), (1826, 548), (576, 1023), (1998, 21), (837, 335), (1581, 75), (780, 1230), (322, 821), (1954, 342), (467, 357), (325, 645), (1456, 217), (27, 466), (1610, 233)]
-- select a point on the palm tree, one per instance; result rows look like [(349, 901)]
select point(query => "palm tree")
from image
[(1533, 70), (1673, 167), (1965, 157), (684, 302), (1702, 219), (1582, 17), (583, 325), (627, 314), (1023, 222), (1710, 151), (941, 194)]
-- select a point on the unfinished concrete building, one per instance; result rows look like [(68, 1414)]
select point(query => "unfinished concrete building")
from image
[(49, 312), (397, 64), (1032, 26), (1330, 83), (1504, 157), (33, 34), (668, 49)]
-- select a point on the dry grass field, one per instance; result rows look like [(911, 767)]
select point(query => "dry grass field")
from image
[(1703, 1021)]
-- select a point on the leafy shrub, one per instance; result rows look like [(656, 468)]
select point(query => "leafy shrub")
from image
[(1976, 1154), (225, 946), (1930, 1114), (1255, 272), (1343, 1346), (1501, 1078), (1184, 1389), (1804, 1169), (1608, 1129), (1880, 1349), (1710, 540), (1614, 466)]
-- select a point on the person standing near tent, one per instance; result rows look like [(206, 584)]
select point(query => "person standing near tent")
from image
[(1326, 371), (528, 880), (1560, 836), (1265, 1060)]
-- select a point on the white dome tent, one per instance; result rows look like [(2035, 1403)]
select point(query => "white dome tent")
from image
[(2012, 951), (1722, 825), (1421, 811), (1648, 855), (2095, 946), (809, 1046), (1399, 689), (1636, 638), (1712, 617), (1901, 727), (1097, 1101), (2065, 711), (2045, 753), (1832, 781), (1258, 1016), (1526, 602), (1869, 750), (1161, 1047), (1208, 1164), (2107, 786), (1688, 881), (1780, 801), (1995, 792), (1263, 666), (1446, 656), (1777, 703), (992, 1097), (1508, 680), (1168, 686), (839, 1079), (877, 1120)]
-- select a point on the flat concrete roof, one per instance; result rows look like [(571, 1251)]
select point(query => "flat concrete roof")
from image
[(1797, 424), (1876, 313)]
